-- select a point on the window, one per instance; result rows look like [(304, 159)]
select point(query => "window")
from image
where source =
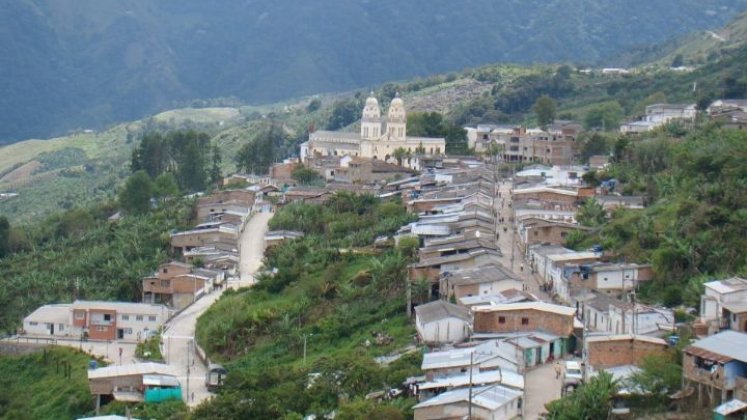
[(61, 327), (128, 330), (80, 314), (166, 270), (100, 328), (536, 233), (165, 283), (605, 279), (501, 319), (125, 317), (563, 234), (524, 321), (108, 317), (139, 318), (152, 318), (33, 324)]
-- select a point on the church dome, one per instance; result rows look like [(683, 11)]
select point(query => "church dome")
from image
[(397, 101), (371, 101)]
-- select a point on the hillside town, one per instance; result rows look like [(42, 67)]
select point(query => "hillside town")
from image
[(508, 316)]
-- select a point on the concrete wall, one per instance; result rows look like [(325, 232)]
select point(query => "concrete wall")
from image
[(448, 330)]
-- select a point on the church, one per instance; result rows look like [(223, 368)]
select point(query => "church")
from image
[(378, 137)]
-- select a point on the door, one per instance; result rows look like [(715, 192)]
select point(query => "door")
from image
[(120, 333), (51, 329)]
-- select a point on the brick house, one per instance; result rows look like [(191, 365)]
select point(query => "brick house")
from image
[(177, 285), (607, 351), (206, 234), (535, 230), (524, 317)]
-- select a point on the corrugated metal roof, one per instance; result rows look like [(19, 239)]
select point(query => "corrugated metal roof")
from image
[(722, 347), (438, 310), (130, 370), (490, 397)]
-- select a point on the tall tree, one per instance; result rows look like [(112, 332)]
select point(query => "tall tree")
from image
[(4, 236), (545, 109), (215, 172), (135, 196)]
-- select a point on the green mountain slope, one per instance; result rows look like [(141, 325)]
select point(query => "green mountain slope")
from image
[(84, 63)]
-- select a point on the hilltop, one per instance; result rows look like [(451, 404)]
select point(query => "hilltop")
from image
[(85, 64)]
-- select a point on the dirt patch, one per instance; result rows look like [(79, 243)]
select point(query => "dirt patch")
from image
[(443, 99), (21, 173)]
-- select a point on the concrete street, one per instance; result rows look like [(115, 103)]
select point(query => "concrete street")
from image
[(541, 388), (178, 339)]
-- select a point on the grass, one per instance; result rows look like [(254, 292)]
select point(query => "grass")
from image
[(34, 386)]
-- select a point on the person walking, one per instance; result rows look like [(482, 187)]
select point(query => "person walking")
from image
[(557, 370)]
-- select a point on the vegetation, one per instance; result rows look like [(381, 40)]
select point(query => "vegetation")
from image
[(80, 254), (149, 349), (590, 401), (694, 228), (36, 386), (341, 303)]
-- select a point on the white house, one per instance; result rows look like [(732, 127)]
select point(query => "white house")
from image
[(53, 320), (441, 322), (721, 299), (488, 402)]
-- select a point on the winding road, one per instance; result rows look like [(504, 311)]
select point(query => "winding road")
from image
[(178, 338)]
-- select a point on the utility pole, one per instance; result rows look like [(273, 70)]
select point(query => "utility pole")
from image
[(188, 348), (469, 405)]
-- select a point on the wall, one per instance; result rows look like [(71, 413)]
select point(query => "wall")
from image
[(449, 330), (604, 354), (490, 322)]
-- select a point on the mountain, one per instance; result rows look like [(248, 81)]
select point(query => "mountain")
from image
[(67, 64), (692, 50)]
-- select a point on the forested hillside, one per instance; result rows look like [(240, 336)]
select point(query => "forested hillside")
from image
[(84, 63)]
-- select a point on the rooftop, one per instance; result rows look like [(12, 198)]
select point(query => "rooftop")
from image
[(537, 306), (734, 284), (121, 307), (504, 376), (131, 370), (482, 274), (438, 310), (489, 397), (58, 314), (722, 347)]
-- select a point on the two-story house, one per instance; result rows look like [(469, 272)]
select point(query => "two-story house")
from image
[(716, 366), (723, 305)]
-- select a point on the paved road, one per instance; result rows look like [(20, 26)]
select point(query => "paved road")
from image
[(178, 340)]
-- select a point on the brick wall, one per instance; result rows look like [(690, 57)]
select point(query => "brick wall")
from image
[(603, 354), (525, 320)]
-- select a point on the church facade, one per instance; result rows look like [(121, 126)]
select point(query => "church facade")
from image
[(378, 137)]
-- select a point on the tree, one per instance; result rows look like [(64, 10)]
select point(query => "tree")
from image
[(591, 213), (400, 153), (314, 105), (165, 186), (678, 61), (304, 175), (590, 401), (135, 196), (659, 376), (215, 172), (545, 109), (606, 116), (4, 236)]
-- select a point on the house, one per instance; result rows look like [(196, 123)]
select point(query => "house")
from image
[(440, 322), (487, 402), (506, 296), (610, 278), (558, 176), (556, 197), (534, 230), (505, 377), (367, 171), (599, 161), (485, 356), (178, 285), (716, 366), (735, 120), (284, 171), (431, 268), (233, 201), (307, 195), (605, 351), (607, 314), (96, 320), (483, 280), (139, 382), (205, 234), (455, 245), (276, 237), (723, 305), (612, 202), (524, 317)]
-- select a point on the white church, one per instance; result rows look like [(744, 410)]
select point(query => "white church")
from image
[(378, 137)]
